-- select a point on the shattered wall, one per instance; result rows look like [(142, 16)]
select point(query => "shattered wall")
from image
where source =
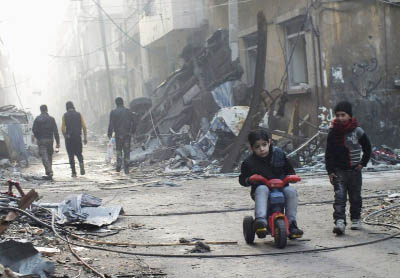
[(276, 55), (361, 63), (351, 53)]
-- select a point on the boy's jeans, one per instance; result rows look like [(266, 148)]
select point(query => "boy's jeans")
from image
[(347, 181), (261, 195)]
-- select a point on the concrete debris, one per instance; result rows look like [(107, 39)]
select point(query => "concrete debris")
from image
[(24, 259)]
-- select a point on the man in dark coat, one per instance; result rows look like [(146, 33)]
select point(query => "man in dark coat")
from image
[(45, 130), (72, 126), (122, 124)]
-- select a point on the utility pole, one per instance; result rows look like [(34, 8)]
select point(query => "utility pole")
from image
[(103, 40)]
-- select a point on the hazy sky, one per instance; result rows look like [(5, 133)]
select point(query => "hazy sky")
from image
[(28, 28)]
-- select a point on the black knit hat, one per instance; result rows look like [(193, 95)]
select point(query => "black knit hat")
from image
[(344, 106)]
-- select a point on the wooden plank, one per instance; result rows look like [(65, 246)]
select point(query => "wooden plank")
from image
[(23, 204)]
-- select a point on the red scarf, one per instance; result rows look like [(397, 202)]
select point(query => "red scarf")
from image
[(340, 129)]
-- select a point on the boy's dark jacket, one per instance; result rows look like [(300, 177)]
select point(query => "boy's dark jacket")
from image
[(274, 166), (344, 145)]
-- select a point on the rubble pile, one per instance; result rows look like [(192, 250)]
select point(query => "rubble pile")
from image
[(194, 115), (385, 155), (34, 245)]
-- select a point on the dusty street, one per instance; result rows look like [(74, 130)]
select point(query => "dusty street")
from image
[(188, 193)]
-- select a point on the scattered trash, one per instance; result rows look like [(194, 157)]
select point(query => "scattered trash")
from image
[(384, 155), (49, 252), (85, 209), (110, 150), (23, 258), (200, 247)]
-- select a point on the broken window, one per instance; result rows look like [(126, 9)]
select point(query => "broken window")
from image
[(250, 42), (296, 54)]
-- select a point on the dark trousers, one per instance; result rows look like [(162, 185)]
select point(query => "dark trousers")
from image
[(46, 153), (73, 145), (347, 182), (123, 144)]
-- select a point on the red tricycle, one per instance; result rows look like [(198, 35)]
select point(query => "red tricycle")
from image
[(278, 225)]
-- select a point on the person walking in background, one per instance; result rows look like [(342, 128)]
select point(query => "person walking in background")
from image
[(45, 131), (72, 126), (122, 124)]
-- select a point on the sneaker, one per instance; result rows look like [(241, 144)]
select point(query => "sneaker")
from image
[(294, 231), (355, 224), (118, 169), (260, 227), (126, 171), (73, 175), (340, 227)]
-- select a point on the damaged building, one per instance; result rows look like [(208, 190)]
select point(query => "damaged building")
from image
[(181, 64)]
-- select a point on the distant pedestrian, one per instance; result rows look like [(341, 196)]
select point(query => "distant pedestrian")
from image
[(72, 126), (45, 130), (346, 140), (122, 124)]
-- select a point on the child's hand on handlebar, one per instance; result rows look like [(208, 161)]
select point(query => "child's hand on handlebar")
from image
[(257, 179)]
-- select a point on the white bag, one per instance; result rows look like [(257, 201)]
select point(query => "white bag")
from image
[(110, 150)]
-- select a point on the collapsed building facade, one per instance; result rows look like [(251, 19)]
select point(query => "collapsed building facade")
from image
[(184, 62)]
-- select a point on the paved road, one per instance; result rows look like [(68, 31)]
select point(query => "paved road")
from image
[(192, 194)]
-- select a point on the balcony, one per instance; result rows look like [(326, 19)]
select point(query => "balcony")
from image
[(165, 16)]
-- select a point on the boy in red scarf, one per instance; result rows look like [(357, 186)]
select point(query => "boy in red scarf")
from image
[(346, 140)]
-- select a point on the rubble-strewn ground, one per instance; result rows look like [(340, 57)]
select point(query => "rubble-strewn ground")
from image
[(153, 192)]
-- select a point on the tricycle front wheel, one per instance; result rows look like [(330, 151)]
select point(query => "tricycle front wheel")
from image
[(280, 234), (248, 231)]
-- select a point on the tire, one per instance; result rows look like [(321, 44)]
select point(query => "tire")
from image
[(280, 233), (248, 231)]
